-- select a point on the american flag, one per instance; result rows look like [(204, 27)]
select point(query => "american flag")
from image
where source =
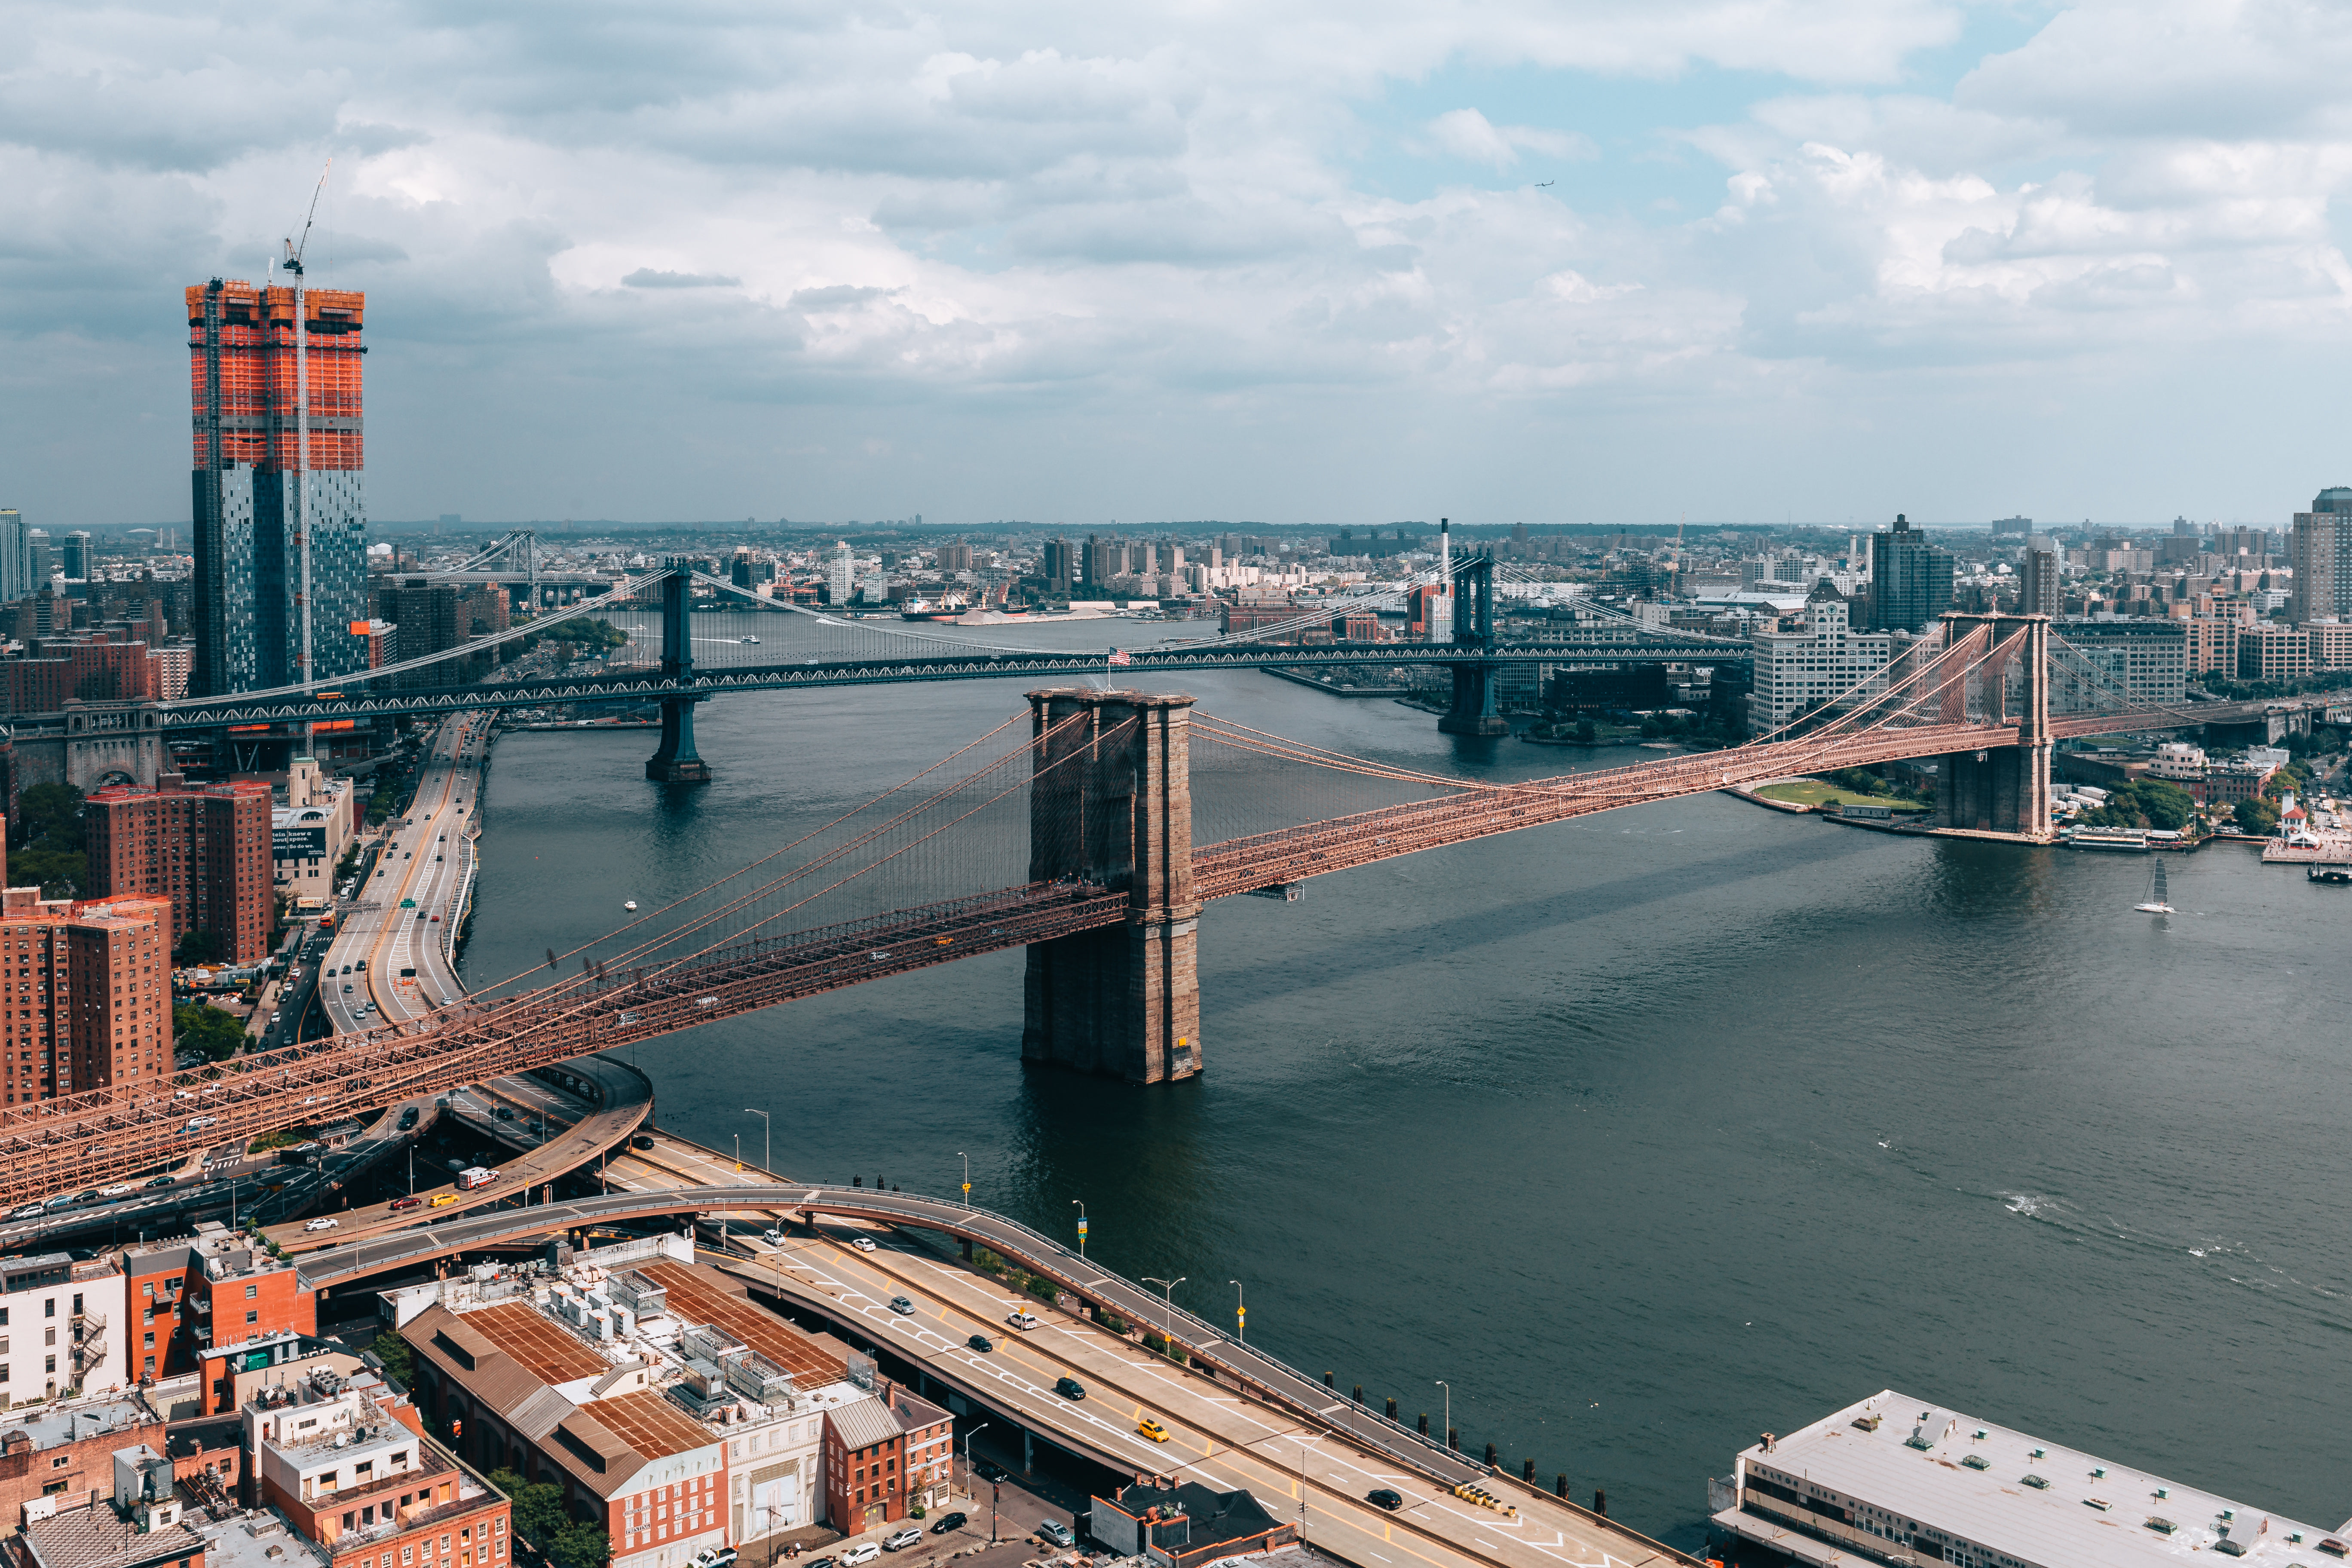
[(1117, 658)]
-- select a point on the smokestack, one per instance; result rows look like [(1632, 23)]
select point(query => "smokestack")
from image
[(1446, 551)]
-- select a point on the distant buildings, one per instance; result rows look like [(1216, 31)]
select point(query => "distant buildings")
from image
[(1910, 579), (1825, 661), (2142, 660), (2040, 589), (2321, 554)]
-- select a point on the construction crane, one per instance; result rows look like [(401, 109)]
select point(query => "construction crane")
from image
[(294, 254)]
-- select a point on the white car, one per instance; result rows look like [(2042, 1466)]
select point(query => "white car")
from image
[(863, 1243), (1023, 1319), (866, 1552), (772, 1237), (120, 1189), (322, 1223)]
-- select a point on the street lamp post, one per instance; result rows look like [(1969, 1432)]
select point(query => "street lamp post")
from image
[(967, 1176), (1168, 1311), (767, 1142), (1448, 1440), (1241, 1314), (1082, 1227), (967, 1457)]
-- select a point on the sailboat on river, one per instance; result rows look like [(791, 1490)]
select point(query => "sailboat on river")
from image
[(2160, 898)]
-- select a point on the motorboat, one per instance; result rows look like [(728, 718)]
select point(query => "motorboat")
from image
[(630, 905)]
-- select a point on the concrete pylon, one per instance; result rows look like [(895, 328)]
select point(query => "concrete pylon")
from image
[(2004, 789), (1112, 808)]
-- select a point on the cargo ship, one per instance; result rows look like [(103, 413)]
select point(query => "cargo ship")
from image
[(947, 608)]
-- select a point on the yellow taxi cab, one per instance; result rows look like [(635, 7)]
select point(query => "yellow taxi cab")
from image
[(444, 1200), (1153, 1429)]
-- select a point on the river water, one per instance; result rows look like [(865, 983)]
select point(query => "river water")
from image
[(1645, 1133)]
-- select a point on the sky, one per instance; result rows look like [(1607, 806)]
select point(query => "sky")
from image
[(1311, 264)]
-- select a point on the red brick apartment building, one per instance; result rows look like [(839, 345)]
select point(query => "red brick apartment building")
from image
[(206, 848), (85, 993)]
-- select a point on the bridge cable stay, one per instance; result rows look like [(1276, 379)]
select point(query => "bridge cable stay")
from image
[(506, 543), (1642, 781), (2089, 666), (989, 785), (1611, 615), (1244, 737), (622, 592), (259, 1069), (655, 914)]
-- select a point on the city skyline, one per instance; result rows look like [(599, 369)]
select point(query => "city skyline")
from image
[(1606, 263)]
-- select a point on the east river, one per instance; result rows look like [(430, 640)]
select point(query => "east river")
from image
[(1646, 1132)]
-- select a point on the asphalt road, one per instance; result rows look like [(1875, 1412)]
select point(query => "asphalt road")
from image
[(423, 863)]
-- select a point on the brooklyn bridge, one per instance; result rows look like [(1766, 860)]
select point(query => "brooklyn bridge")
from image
[(1068, 830)]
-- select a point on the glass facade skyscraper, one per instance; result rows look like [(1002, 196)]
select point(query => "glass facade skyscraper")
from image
[(252, 496)]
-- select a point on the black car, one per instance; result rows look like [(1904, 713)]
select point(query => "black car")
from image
[(981, 1343), (408, 1119), (642, 1141), (1070, 1388), (1383, 1497), (987, 1469), (948, 1521)]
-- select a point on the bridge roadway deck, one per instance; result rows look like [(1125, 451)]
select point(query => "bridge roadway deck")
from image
[(78, 1140), (1257, 1423), (646, 683)]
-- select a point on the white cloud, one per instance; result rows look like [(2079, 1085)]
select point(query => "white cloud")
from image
[(1467, 135), (1144, 222)]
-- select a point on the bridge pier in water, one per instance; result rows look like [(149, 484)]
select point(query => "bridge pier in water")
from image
[(2004, 789), (1112, 805), (675, 761), (1474, 711)]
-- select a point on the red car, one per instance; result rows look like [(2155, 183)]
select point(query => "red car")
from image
[(398, 1204)]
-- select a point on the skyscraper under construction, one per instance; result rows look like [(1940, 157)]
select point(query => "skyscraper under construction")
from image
[(278, 455)]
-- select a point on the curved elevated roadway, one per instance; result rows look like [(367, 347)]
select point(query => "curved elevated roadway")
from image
[(1289, 1433), (625, 1099)]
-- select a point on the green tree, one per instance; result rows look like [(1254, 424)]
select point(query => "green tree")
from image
[(2165, 806), (581, 1546), (51, 816), (1586, 732), (399, 1363), (199, 946), (212, 1030), (2255, 816), (538, 1512)]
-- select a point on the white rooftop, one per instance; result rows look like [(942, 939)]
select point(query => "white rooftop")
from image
[(1937, 1468)]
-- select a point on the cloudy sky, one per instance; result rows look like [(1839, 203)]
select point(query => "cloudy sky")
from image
[(1310, 263)]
